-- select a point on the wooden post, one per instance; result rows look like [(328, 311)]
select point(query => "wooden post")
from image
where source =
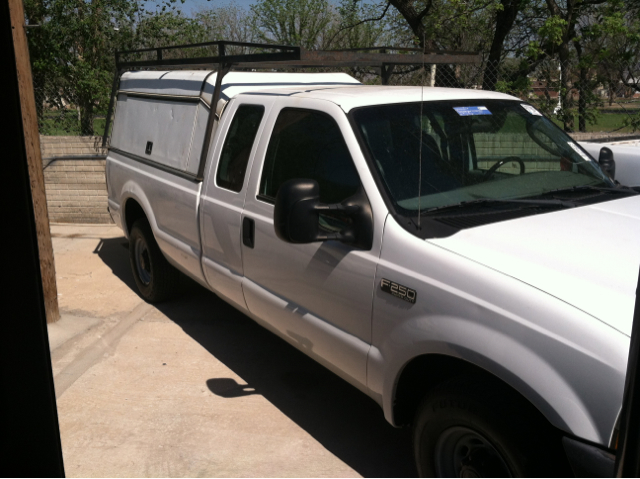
[(34, 160)]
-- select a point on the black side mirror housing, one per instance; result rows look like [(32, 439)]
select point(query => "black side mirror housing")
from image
[(297, 209), (607, 162), (294, 216)]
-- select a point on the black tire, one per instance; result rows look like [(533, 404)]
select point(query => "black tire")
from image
[(473, 428), (156, 279)]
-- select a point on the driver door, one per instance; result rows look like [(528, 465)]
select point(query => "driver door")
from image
[(317, 296)]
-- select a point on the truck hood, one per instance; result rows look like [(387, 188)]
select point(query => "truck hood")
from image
[(586, 256)]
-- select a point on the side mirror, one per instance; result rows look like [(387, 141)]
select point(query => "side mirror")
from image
[(606, 162), (296, 215)]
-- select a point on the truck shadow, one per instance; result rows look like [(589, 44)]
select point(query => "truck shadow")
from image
[(344, 420)]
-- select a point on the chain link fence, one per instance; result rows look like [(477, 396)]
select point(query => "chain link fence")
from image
[(597, 98), (60, 115), (582, 99)]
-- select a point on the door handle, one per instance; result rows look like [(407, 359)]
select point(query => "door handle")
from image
[(248, 231)]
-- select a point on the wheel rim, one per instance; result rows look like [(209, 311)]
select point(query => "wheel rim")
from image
[(462, 452), (143, 265)]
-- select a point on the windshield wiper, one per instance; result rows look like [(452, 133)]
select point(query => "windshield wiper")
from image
[(604, 189), (495, 201)]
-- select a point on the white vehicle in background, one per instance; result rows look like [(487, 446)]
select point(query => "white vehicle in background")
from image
[(626, 165), (450, 253)]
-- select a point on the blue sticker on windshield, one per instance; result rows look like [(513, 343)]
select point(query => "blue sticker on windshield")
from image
[(471, 110)]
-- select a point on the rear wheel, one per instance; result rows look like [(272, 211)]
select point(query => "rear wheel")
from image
[(156, 279), (471, 428)]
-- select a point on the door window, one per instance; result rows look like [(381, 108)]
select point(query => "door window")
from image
[(308, 144), (237, 147)]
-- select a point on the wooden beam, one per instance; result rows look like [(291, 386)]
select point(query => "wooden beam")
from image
[(32, 145)]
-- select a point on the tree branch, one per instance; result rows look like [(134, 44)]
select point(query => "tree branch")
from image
[(424, 12), (384, 12)]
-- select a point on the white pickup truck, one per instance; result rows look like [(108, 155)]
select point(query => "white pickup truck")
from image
[(450, 253)]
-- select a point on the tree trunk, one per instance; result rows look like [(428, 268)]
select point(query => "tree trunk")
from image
[(582, 100), (611, 94), (503, 24), (414, 19), (86, 117), (582, 90), (565, 90), (446, 77)]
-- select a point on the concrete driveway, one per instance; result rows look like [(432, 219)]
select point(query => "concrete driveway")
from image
[(192, 387)]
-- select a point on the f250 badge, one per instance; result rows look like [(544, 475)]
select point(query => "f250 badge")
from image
[(399, 291)]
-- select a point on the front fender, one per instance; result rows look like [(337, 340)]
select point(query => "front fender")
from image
[(513, 363), (568, 364), (575, 390)]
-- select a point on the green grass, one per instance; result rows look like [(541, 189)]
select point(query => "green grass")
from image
[(606, 122)]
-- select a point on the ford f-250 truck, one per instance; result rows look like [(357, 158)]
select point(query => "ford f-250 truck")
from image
[(450, 253)]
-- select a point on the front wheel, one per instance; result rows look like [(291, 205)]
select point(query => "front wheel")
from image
[(475, 429), (155, 277)]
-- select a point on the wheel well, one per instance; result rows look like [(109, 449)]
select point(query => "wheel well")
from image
[(132, 212), (426, 372)]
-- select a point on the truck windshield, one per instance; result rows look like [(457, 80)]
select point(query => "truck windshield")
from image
[(444, 153)]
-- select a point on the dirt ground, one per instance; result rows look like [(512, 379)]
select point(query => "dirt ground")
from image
[(194, 388)]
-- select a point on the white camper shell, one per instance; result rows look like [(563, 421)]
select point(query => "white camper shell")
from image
[(161, 116)]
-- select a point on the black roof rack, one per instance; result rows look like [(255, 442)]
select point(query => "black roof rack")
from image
[(269, 56), (287, 56), (268, 53)]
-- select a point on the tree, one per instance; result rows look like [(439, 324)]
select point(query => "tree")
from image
[(593, 41), (230, 23), (462, 25), (621, 56), (86, 35), (504, 21), (360, 26), (72, 50), (597, 33), (556, 37), (316, 24), (293, 22), (164, 28)]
